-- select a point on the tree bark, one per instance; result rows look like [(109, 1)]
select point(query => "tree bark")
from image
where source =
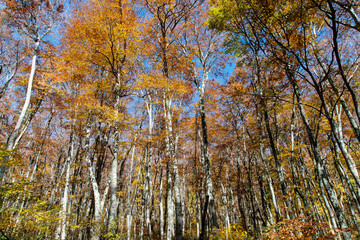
[(98, 200), (14, 135), (61, 230), (322, 173)]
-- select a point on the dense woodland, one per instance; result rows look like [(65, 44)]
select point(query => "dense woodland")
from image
[(179, 119)]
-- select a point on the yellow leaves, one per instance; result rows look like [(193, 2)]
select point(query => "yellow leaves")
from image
[(171, 86), (150, 81), (134, 183), (233, 231), (76, 226), (21, 187), (77, 178), (39, 218), (10, 158), (100, 46), (104, 26), (236, 88), (222, 9)]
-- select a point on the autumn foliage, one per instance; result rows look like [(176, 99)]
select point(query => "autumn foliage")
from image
[(179, 119)]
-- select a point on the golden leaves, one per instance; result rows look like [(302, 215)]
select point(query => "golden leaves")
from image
[(171, 86)]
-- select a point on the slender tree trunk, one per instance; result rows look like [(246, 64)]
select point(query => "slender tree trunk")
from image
[(61, 230), (161, 208), (129, 215), (178, 204), (8, 80), (320, 167), (296, 180), (14, 135), (207, 168), (113, 205), (354, 125), (148, 165), (170, 205), (329, 210), (335, 29), (270, 182), (174, 210), (240, 192), (226, 210), (349, 197), (274, 150)]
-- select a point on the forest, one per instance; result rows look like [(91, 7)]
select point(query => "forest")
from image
[(179, 119)]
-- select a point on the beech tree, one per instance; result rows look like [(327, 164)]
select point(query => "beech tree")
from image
[(33, 20), (108, 50), (167, 119)]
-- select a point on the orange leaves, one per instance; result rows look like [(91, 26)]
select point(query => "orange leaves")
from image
[(104, 33), (171, 86), (236, 88), (300, 229), (96, 66), (87, 103)]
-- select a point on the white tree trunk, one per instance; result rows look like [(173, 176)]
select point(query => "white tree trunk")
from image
[(11, 142), (174, 211), (161, 206), (113, 183), (98, 201), (148, 166), (61, 230), (128, 200)]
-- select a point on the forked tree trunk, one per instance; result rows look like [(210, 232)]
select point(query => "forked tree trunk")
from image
[(98, 200)]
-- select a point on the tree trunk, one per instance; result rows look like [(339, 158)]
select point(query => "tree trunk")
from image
[(61, 231), (129, 207), (148, 165), (207, 168), (98, 201), (14, 135), (322, 173)]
